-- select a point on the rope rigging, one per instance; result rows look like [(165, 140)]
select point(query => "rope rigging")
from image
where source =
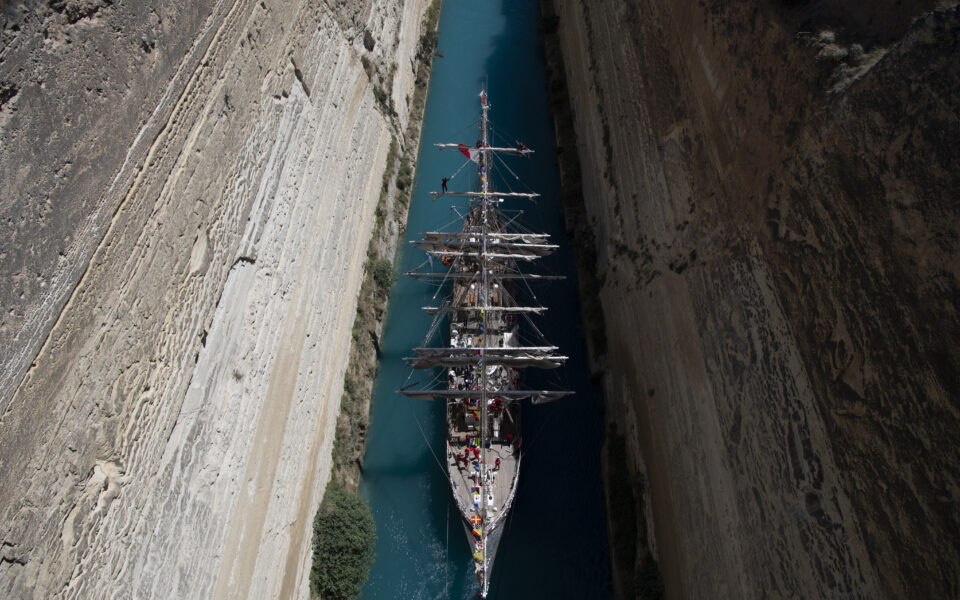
[(515, 176), (425, 440), (457, 172), (475, 375)]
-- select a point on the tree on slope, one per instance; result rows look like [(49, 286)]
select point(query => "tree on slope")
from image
[(344, 534)]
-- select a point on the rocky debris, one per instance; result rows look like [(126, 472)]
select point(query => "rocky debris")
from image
[(186, 242), (7, 92), (74, 10), (771, 188)]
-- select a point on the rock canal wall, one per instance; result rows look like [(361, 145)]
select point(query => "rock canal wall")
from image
[(189, 192), (771, 189)]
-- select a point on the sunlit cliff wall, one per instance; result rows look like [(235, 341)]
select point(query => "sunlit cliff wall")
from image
[(188, 189), (773, 192)]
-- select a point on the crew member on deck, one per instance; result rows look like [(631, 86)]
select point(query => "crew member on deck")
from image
[(443, 184)]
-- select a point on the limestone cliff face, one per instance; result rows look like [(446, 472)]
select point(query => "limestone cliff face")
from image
[(773, 192), (188, 192)]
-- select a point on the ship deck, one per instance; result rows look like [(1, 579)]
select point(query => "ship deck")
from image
[(470, 465), (501, 480)]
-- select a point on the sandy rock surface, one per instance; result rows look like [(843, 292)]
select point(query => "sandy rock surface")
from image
[(189, 191), (772, 188)]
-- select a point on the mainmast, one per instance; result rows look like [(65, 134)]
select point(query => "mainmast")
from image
[(484, 428)]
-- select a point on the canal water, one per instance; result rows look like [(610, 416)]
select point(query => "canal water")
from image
[(554, 545)]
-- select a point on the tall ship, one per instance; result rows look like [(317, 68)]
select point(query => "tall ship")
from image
[(492, 339)]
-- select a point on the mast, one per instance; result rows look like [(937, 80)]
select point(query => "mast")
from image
[(484, 433)]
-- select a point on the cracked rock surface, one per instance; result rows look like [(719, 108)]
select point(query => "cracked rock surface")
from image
[(188, 193), (772, 188)]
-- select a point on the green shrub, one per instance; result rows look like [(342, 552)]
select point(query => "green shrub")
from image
[(344, 534), (383, 274), (367, 66), (381, 96), (428, 45), (404, 174)]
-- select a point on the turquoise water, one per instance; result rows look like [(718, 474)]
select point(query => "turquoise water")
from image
[(554, 545)]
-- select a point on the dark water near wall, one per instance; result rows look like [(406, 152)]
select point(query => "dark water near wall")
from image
[(555, 542)]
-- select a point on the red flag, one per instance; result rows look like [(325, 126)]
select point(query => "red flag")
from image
[(470, 152)]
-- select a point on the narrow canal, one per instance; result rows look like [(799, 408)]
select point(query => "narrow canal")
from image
[(554, 544)]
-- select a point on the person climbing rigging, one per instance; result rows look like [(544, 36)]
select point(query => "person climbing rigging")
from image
[(443, 184)]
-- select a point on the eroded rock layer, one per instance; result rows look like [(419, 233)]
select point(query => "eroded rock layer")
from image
[(188, 193), (772, 188)]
